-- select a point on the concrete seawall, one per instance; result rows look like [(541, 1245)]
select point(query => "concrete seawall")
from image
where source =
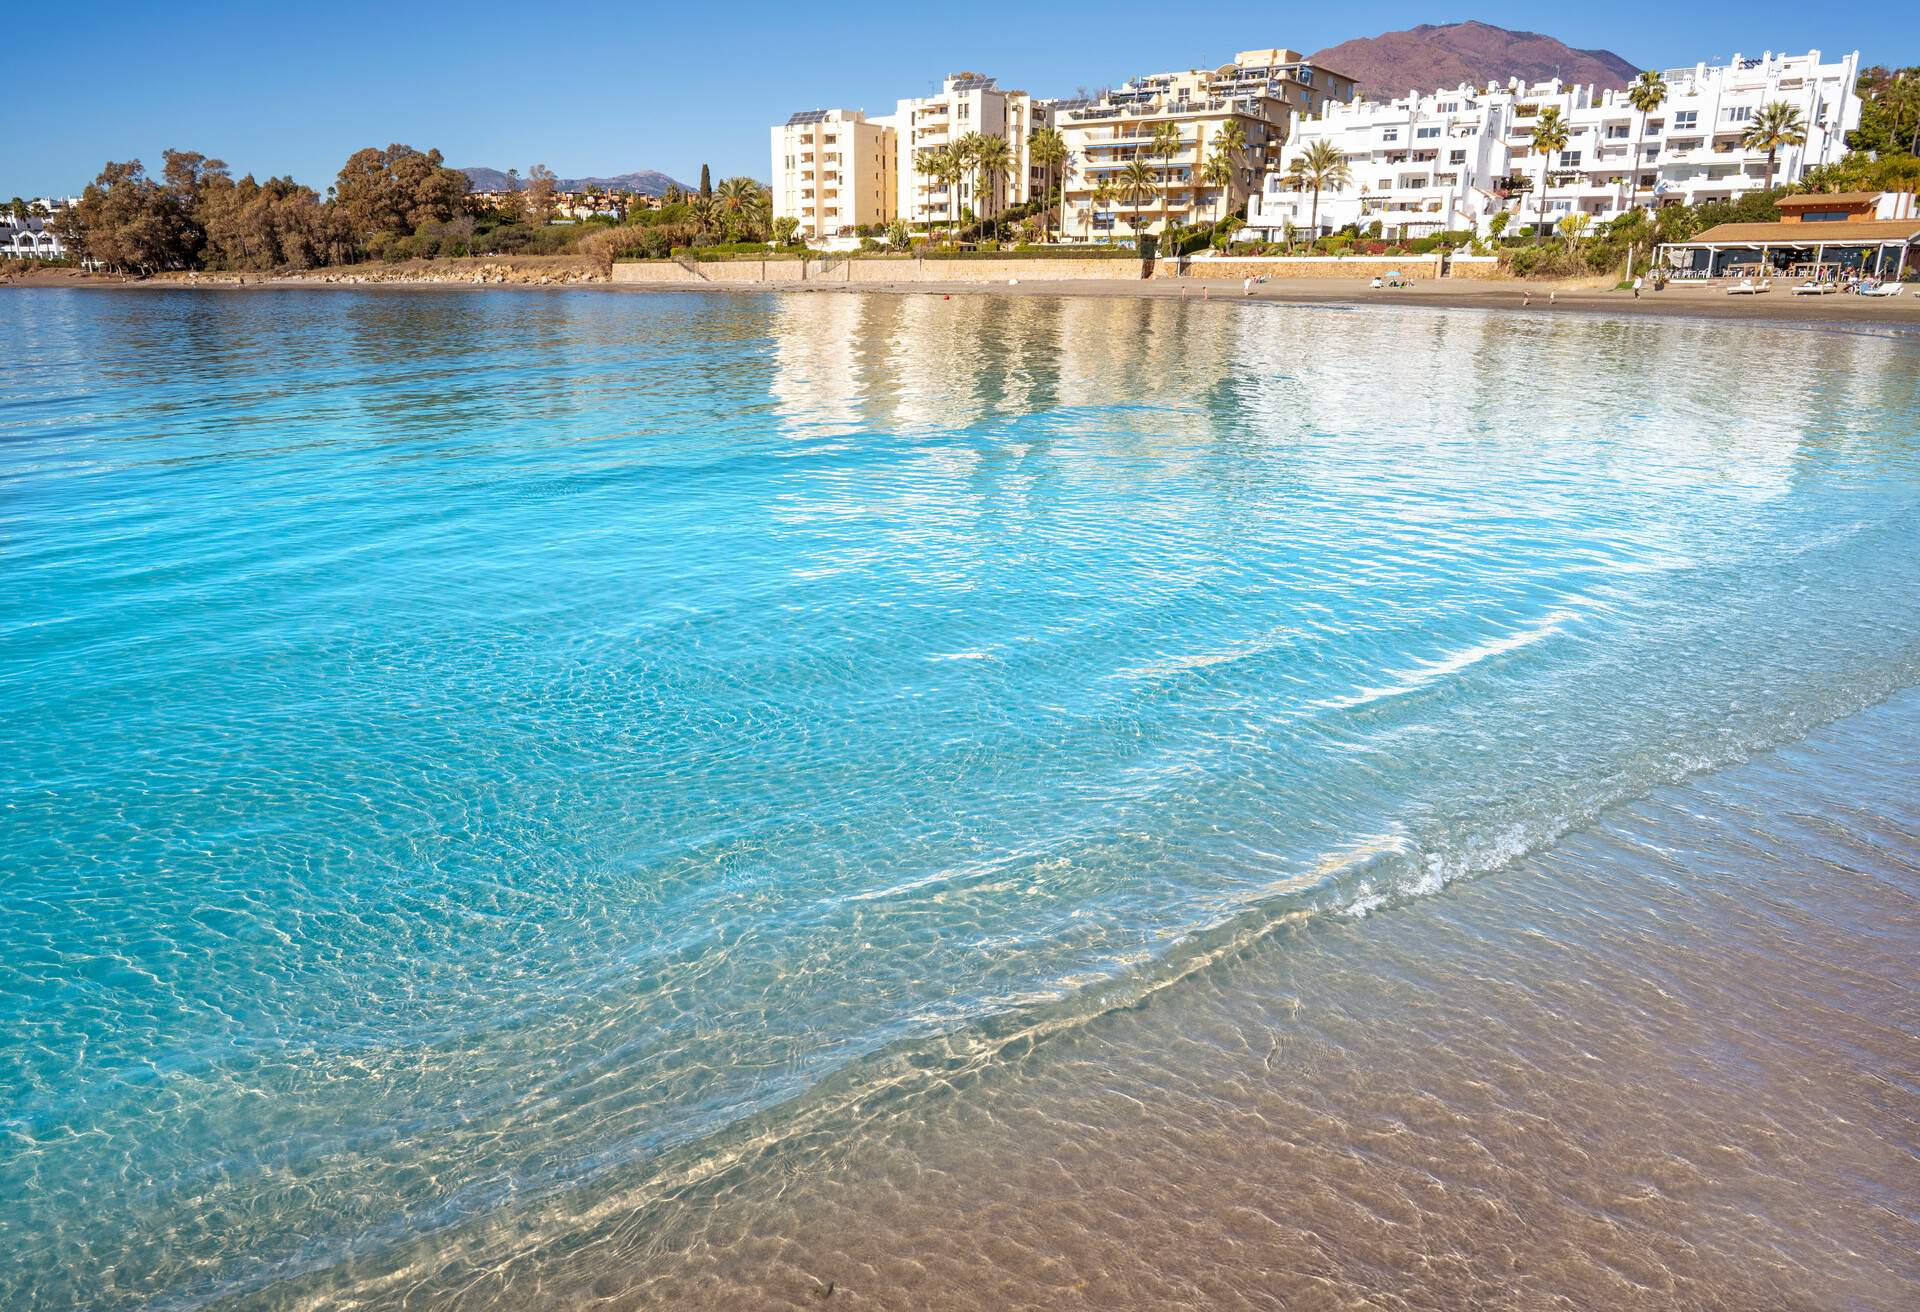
[(871, 270)]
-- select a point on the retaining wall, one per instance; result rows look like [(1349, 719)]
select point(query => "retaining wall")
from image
[(1237, 268), (873, 270), (1474, 266)]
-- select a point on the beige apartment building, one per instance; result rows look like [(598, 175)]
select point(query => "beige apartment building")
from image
[(1261, 90), (835, 170), (966, 102)]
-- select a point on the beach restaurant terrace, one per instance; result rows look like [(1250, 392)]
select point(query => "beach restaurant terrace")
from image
[(1887, 248)]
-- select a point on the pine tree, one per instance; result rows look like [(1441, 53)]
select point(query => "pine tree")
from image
[(706, 181)]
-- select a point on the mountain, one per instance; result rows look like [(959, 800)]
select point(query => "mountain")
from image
[(1431, 58), (647, 182)]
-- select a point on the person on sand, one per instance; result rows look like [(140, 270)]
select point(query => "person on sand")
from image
[(1636, 286), (1246, 287), (1526, 297)]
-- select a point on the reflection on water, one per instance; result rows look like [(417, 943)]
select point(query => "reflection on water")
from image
[(484, 767)]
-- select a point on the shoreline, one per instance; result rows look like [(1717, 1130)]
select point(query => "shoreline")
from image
[(1471, 294), (1494, 1095)]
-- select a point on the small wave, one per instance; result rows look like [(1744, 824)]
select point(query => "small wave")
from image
[(1426, 672)]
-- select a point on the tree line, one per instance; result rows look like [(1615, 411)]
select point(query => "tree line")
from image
[(197, 215), (396, 203)]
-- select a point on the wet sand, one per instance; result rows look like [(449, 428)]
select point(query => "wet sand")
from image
[(1690, 302), (1777, 306), (1670, 1063)]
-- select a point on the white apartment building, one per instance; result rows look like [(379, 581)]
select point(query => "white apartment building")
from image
[(1451, 160), (29, 236), (966, 102), (835, 170), (1263, 91)]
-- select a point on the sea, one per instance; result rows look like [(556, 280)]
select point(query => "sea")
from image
[(524, 799)]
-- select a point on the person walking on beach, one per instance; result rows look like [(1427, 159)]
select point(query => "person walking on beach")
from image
[(1636, 286)]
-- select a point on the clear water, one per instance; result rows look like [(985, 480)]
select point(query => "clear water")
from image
[(468, 756)]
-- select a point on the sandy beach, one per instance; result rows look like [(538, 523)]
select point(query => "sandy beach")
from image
[(1779, 305), (1691, 302)]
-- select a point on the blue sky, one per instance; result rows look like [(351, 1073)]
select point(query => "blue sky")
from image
[(591, 87)]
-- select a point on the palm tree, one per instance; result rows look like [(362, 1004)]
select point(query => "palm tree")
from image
[(1218, 172), (1163, 145), (1137, 184), (706, 213), (942, 164), (967, 151), (1549, 134), (738, 201), (1228, 143), (1648, 93), (1776, 125), (1103, 196), (1318, 166), (1048, 149), (993, 157)]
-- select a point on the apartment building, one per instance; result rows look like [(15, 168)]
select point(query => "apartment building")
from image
[(966, 103), (1451, 160), (835, 170), (31, 235), (1262, 91)]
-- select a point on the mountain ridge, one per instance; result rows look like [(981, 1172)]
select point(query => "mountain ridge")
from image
[(647, 182), (1431, 57)]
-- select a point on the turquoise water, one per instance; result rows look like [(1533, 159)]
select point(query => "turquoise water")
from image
[(468, 752)]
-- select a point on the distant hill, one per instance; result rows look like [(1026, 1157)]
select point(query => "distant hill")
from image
[(647, 182), (1430, 58)]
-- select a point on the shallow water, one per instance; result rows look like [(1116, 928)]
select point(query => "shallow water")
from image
[(490, 777)]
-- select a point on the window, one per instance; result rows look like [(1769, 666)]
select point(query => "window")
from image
[(1825, 216), (1390, 134), (1686, 118), (1616, 132), (1427, 132), (1737, 113), (1457, 157), (1569, 159)]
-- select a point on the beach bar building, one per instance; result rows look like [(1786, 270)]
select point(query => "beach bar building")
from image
[(1872, 234)]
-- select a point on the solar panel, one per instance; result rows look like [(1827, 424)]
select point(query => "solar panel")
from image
[(808, 116)]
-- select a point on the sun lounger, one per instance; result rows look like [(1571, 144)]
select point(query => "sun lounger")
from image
[(1885, 289), (1745, 287)]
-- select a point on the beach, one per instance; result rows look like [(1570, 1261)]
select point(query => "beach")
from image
[(1678, 299), (1633, 1071)]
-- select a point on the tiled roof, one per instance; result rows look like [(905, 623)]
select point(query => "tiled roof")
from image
[(1816, 200), (1808, 234)]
